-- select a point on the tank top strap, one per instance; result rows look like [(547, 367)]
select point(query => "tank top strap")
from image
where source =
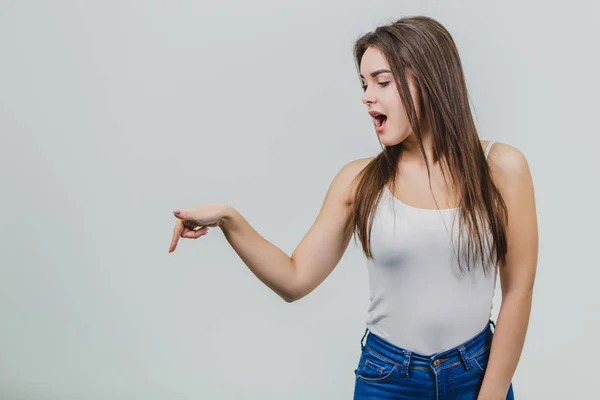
[(488, 147)]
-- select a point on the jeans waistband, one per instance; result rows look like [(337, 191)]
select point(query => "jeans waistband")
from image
[(407, 359)]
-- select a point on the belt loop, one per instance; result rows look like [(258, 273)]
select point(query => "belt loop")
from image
[(362, 346), (406, 363), (493, 324), (466, 360)]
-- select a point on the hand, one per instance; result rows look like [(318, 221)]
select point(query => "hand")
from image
[(193, 222)]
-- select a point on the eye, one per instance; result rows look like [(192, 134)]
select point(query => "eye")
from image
[(382, 84)]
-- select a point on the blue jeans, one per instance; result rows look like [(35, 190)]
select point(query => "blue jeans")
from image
[(386, 371)]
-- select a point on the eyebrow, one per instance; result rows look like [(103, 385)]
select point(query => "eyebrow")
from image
[(375, 73)]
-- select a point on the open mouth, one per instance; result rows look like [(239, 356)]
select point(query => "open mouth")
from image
[(380, 120)]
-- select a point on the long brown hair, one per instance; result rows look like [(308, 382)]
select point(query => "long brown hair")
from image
[(424, 47)]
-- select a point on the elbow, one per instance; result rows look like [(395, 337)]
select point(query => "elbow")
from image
[(518, 299), (521, 294), (288, 295), (297, 289), (291, 296), (289, 299), (292, 292)]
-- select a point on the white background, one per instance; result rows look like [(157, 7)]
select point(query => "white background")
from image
[(112, 113)]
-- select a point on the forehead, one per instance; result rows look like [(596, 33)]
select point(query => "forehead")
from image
[(372, 60)]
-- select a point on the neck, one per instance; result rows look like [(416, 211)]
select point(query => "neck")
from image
[(412, 150)]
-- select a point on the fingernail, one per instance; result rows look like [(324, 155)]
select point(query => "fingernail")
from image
[(176, 211)]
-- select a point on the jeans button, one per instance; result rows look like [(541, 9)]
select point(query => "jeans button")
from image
[(436, 363)]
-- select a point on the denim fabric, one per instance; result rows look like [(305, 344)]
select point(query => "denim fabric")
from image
[(386, 371)]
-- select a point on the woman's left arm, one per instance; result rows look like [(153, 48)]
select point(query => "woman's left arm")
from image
[(512, 176)]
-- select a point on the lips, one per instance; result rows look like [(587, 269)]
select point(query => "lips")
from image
[(379, 119)]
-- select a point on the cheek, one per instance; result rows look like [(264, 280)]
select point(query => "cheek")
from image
[(399, 117), (402, 123)]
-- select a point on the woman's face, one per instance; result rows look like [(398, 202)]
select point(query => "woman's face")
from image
[(381, 96)]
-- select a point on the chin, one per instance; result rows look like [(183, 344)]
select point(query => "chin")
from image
[(389, 140)]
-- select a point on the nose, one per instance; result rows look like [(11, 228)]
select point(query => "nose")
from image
[(368, 97)]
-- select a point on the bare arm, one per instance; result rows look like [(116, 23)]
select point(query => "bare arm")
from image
[(512, 176), (317, 254)]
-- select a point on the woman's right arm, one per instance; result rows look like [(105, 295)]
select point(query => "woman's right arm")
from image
[(317, 254)]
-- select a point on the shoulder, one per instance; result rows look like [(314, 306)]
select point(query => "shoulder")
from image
[(354, 167), (507, 160), (345, 179), (509, 167)]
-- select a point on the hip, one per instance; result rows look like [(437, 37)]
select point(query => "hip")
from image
[(386, 371)]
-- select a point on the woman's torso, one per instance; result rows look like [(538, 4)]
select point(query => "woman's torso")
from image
[(419, 297)]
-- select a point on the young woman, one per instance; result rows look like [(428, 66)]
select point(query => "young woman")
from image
[(439, 214)]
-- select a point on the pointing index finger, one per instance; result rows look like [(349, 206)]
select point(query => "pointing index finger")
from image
[(177, 231)]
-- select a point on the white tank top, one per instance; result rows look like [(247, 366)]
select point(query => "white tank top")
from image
[(419, 299)]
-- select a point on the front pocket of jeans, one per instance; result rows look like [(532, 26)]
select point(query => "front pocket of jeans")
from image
[(480, 358), (373, 367), (479, 367)]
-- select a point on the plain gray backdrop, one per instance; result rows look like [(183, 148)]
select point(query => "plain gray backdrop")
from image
[(112, 113)]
